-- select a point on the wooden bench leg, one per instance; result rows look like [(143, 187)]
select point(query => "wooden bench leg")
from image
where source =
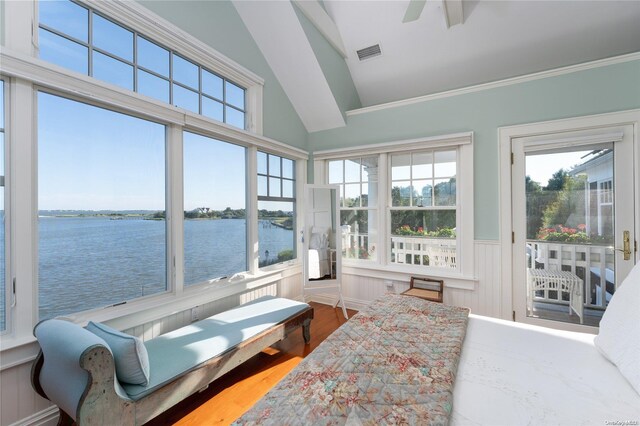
[(306, 331), (64, 419)]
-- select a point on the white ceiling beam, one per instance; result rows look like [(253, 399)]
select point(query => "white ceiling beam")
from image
[(453, 13), (323, 23), (280, 37)]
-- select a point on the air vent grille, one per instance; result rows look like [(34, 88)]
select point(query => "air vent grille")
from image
[(369, 52)]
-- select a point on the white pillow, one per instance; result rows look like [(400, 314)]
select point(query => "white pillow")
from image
[(619, 336), (130, 354)]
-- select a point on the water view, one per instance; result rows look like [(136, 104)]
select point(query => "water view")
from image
[(100, 260)]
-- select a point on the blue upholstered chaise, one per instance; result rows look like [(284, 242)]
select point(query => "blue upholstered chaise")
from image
[(75, 368)]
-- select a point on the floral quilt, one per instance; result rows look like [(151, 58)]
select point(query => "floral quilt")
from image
[(393, 363)]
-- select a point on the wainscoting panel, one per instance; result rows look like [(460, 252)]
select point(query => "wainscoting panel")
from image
[(20, 405), (484, 299)]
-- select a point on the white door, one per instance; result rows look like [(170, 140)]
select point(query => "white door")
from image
[(573, 221)]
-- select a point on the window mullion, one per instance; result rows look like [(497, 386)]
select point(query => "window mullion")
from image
[(384, 201), (22, 140), (175, 209), (252, 209)]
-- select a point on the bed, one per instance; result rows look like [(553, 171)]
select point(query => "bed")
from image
[(499, 372)]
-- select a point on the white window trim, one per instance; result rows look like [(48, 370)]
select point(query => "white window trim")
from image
[(25, 74), (463, 142), (585, 126), (135, 16)]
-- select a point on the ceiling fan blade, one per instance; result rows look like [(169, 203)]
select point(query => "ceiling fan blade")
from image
[(413, 10)]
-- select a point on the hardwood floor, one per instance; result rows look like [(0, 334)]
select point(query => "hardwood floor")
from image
[(229, 397)]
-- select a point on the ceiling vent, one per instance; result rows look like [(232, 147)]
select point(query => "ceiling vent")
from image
[(369, 52)]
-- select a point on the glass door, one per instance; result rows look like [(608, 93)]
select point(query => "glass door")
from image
[(573, 207)]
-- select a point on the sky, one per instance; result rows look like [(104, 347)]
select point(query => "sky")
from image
[(541, 167), (90, 158)]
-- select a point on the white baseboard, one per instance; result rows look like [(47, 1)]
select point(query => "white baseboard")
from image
[(46, 417)]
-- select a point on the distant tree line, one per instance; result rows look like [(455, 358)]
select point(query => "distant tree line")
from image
[(228, 213)]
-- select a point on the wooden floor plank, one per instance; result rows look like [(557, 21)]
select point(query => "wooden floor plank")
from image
[(233, 394)]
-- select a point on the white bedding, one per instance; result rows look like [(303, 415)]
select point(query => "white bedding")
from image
[(518, 374)]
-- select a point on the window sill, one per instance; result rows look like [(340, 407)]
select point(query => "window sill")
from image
[(404, 274), (155, 308)]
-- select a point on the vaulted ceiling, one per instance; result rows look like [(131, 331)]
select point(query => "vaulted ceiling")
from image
[(430, 51)]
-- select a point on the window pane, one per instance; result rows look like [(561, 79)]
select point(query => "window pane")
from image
[(401, 194), (234, 95), (422, 193), (234, 117), (66, 17), (335, 172), (63, 52), (359, 235), (274, 187), (423, 237), (352, 170), (262, 186), (369, 169), (274, 165), (445, 164), (112, 71), (155, 87), (400, 169), (112, 38), (276, 239), (352, 195), (422, 166), (445, 192), (287, 168), (287, 188), (185, 72), (214, 194), (152, 57), (185, 98), (95, 169), (262, 163), (212, 85), (212, 109)]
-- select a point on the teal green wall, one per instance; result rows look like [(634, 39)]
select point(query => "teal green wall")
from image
[(218, 24), (2, 27), (599, 90), (333, 66)]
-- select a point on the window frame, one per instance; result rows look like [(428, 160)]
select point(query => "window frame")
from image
[(9, 291), (136, 66), (25, 74), (463, 276), (293, 200), (169, 284), (374, 208)]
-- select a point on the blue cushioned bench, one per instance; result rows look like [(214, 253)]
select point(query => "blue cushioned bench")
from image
[(75, 368)]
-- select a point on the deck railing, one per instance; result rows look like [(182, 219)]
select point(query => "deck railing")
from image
[(593, 264), (428, 251)]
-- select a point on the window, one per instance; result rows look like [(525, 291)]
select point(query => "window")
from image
[(3, 288), (101, 201), (401, 205), (423, 208), (358, 180), (82, 40), (276, 209), (215, 225)]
